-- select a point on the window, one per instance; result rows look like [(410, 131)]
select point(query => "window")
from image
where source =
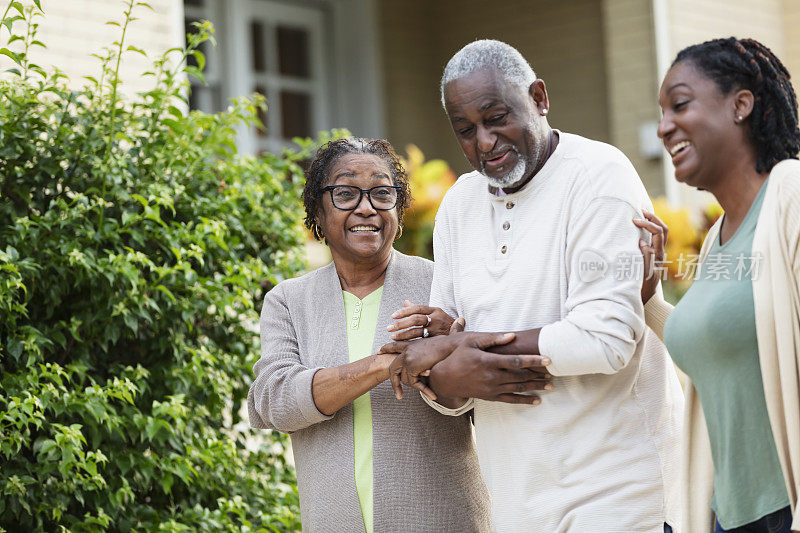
[(286, 66), (279, 52)]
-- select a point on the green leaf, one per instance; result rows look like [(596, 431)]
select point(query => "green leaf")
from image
[(18, 6), (151, 429), (195, 73), (166, 482), (168, 292), (15, 348), (132, 48), (141, 199), (175, 112), (200, 58), (14, 56), (59, 337), (131, 322)]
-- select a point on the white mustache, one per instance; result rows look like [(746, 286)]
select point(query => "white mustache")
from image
[(500, 150)]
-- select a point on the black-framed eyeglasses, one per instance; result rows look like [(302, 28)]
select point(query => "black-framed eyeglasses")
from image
[(347, 197)]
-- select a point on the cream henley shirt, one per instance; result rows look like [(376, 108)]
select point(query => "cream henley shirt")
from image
[(600, 453)]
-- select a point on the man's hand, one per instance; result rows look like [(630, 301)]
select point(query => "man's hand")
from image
[(472, 372)]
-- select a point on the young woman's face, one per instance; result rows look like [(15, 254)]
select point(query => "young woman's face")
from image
[(698, 125)]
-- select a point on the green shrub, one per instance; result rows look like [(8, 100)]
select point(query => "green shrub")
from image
[(135, 247)]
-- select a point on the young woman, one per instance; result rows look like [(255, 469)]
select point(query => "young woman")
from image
[(730, 124)]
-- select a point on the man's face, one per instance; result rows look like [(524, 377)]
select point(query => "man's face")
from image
[(498, 125)]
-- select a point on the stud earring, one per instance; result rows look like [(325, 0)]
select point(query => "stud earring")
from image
[(739, 118), (544, 111)]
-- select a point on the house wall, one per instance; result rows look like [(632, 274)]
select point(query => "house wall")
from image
[(409, 38), (75, 29), (563, 43), (695, 21), (791, 40), (632, 84)]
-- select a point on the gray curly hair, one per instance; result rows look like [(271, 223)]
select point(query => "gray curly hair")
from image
[(487, 53)]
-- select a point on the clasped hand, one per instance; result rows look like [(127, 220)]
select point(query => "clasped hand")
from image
[(411, 321), (458, 366)]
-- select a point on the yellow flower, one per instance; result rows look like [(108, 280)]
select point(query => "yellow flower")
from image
[(429, 181), (683, 235)]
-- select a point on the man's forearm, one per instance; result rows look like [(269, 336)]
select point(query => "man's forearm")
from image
[(525, 342), (451, 403), (469, 372)]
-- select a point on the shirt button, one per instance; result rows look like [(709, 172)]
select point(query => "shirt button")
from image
[(506, 225), (510, 205), (504, 249)]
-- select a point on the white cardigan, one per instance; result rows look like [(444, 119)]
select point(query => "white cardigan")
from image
[(776, 295)]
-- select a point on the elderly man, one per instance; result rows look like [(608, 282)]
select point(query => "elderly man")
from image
[(537, 241)]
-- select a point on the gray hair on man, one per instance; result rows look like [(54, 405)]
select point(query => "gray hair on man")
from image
[(487, 53)]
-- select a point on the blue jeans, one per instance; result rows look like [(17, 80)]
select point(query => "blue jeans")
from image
[(778, 522)]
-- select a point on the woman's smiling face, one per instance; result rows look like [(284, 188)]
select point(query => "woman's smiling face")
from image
[(362, 233), (698, 125)]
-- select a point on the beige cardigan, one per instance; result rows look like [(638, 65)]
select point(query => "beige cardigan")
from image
[(776, 296), (425, 469)]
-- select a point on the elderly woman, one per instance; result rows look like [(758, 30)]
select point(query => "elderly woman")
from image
[(365, 461), (730, 124)]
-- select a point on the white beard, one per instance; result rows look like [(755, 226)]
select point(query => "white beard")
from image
[(511, 179)]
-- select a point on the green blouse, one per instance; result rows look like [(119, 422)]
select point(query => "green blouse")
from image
[(711, 335), (362, 319)]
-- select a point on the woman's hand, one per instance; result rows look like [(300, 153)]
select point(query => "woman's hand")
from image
[(412, 320), (413, 360), (653, 252)]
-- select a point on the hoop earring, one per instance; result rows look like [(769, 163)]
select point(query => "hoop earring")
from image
[(399, 232)]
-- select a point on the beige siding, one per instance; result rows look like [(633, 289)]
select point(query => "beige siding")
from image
[(563, 42), (74, 29), (791, 37), (408, 33), (632, 83), (695, 21)]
